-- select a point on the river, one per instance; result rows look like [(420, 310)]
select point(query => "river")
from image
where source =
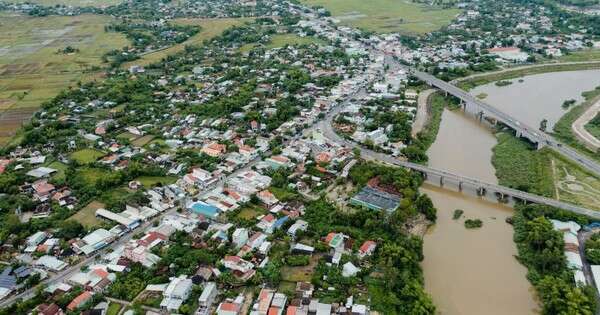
[(540, 96), (474, 271)]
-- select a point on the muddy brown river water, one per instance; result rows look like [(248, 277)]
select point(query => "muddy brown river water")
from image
[(474, 271)]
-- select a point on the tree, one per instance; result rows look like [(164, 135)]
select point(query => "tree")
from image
[(425, 206)]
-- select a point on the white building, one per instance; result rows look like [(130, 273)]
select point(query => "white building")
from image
[(176, 293)]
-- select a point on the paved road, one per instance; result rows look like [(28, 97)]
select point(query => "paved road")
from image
[(510, 69), (325, 126), (579, 130), (522, 129)]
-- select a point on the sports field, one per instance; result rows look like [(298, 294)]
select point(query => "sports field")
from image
[(33, 71), (385, 16)]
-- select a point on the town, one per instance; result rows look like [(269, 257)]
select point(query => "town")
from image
[(205, 183)]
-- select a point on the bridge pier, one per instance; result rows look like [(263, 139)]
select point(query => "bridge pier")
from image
[(518, 133), (481, 191), (441, 181), (460, 188)]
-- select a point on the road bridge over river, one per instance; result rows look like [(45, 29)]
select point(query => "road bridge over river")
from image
[(521, 129), (442, 177)]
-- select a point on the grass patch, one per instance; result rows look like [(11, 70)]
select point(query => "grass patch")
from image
[(86, 156), (87, 215), (519, 165), (562, 129), (210, 29), (575, 184), (581, 55), (283, 194), (91, 175), (250, 212), (142, 141), (60, 170), (385, 16), (127, 136), (151, 181), (113, 309), (300, 273)]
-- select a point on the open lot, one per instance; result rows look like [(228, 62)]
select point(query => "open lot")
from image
[(210, 29), (87, 215), (384, 16), (86, 156), (573, 184), (31, 69), (150, 181)]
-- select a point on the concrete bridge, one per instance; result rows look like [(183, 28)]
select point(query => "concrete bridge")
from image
[(503, 194), (532, 134)]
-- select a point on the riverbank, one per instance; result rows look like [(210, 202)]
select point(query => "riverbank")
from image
[(563, 129), (474, 80)]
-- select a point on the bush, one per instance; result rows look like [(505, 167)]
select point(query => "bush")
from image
[(473, 223), (457, 214)]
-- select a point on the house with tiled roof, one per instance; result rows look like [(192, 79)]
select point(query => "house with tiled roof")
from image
[(367, 249), (79, 301)]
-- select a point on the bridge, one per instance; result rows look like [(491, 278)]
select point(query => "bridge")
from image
[(537, 137), (482, 188)]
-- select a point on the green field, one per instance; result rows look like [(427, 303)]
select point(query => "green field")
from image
[(86, 156), (519, 165), (581, 55), (151, 181), (210, 29), (385, 16), (31, 69), (60, 170), (87, 215), (113, 309)]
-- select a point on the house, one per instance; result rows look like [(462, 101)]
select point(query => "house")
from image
[(266, 223), (79, 301), (49, 309), (299, 225), (208, 295), (42, 189), (36, 239), (336, 241), (367, 249), (236, 263), (214, 149), (50, 263), (177, 291), (267, 198), (228, 308), (240, 237), (278, 161), (349, 270)]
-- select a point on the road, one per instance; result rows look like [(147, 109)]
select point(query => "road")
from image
[(511, 69), (325, 126), (579, 130), (522, 130)]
